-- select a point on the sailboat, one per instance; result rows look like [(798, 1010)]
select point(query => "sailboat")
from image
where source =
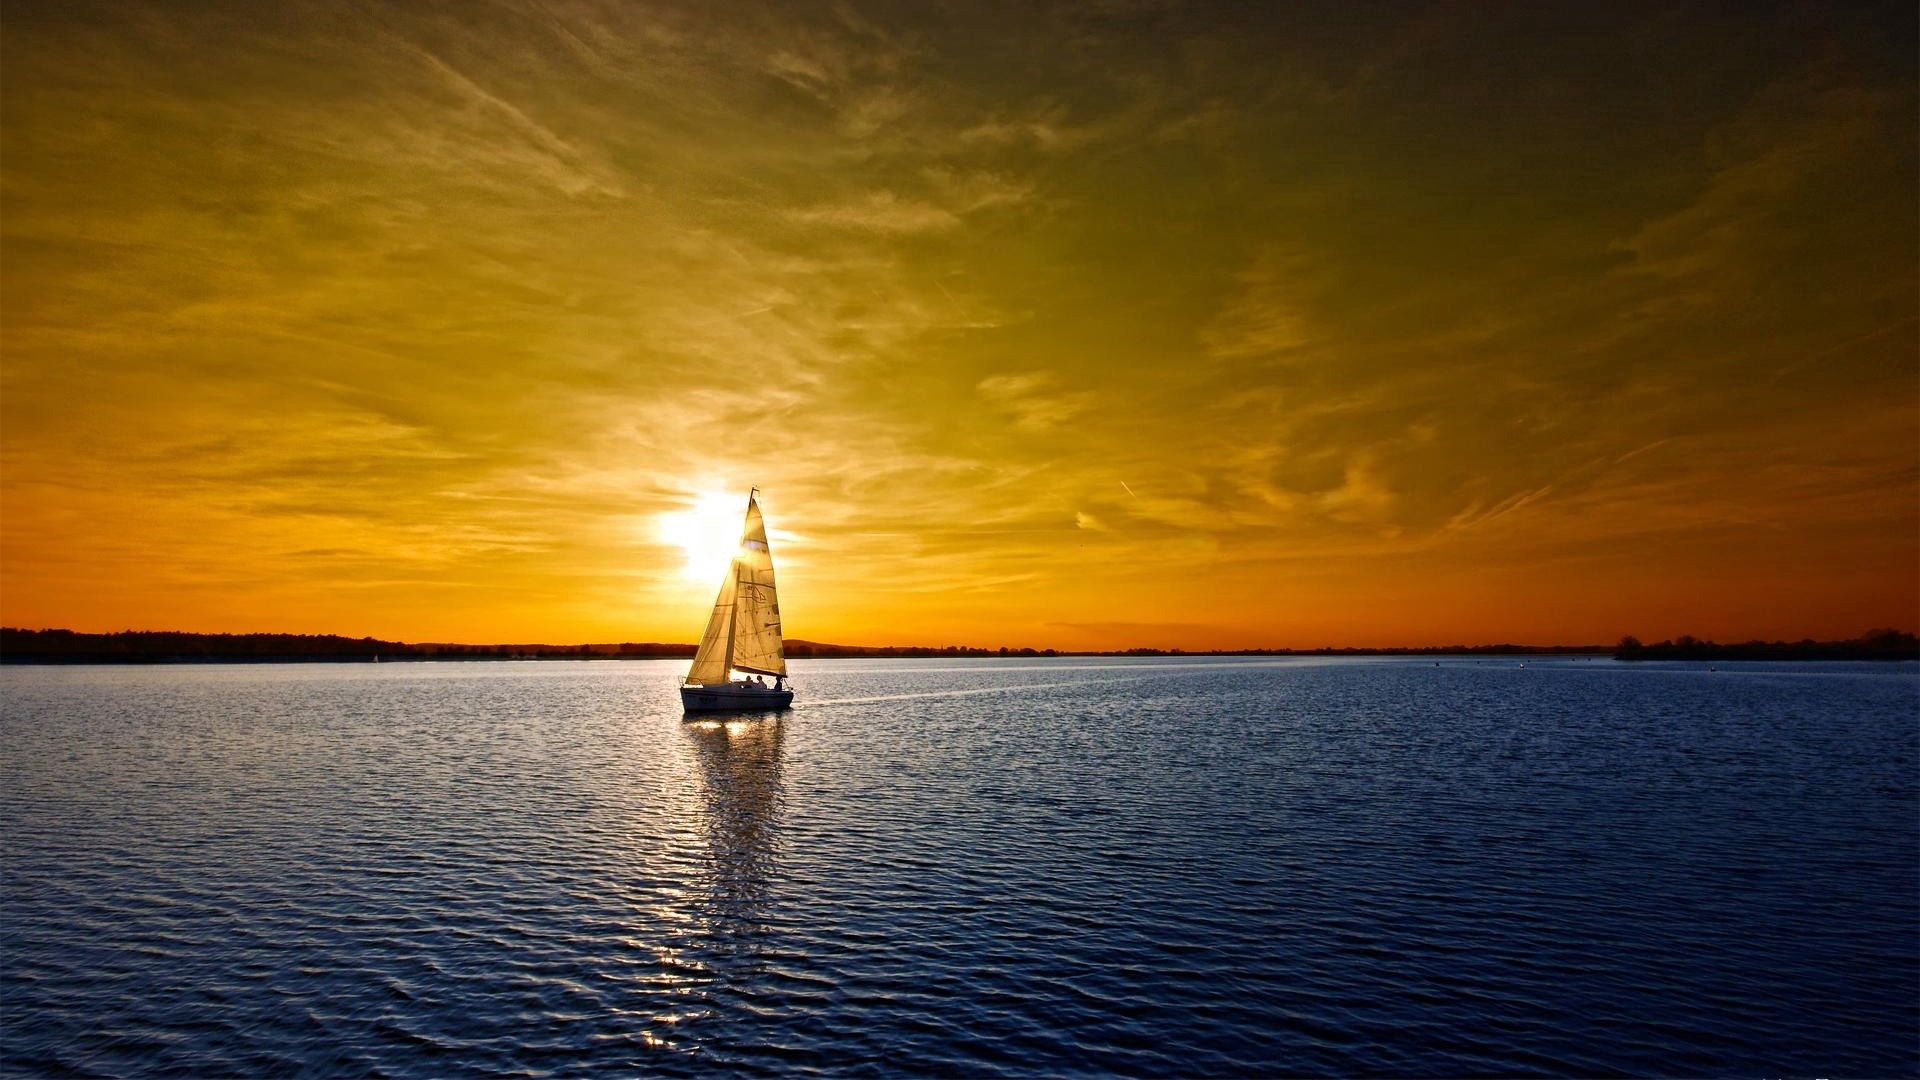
[(741, 650)]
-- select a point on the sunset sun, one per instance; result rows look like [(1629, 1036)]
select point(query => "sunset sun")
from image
[(706, 529)]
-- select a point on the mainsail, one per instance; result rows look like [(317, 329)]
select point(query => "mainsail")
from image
[(743, 633)]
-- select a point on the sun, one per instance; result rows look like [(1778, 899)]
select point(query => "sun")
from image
[(707, 531)]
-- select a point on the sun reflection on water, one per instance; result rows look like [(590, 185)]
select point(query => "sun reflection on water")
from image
[(738, 766), (737, 795)]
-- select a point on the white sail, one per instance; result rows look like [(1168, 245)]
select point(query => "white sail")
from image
[(710, 661), (743, 633), (756, 604)]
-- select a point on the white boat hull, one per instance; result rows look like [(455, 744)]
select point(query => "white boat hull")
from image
[(733, 697)]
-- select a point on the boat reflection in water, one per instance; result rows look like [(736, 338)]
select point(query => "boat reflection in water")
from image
[(738, 767)]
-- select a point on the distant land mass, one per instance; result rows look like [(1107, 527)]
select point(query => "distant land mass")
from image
[(1872, 645), (22, 646)]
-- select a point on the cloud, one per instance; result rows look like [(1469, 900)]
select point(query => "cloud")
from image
[(567, 166), (808, 73), (1362, 497), (1044, 129), (1788, 138), (976, 189), (881, 211), (1266, 318), (1032, 400), (952, 196)]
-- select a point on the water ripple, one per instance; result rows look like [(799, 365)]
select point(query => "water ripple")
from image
[(1166, 867)]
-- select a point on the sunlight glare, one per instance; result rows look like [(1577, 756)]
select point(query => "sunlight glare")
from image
[(707, 532)]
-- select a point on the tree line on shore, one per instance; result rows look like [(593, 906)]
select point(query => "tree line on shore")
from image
[(22, 646), (18, 646), (1872, 645)]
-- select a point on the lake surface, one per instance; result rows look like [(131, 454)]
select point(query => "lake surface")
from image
[(972, 868)]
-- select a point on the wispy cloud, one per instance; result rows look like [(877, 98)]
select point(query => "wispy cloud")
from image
[(1265, 319), (1788, 139), (564, 164), (881, 211), (1033, 399)]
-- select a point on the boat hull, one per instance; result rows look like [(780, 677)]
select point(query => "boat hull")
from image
[(733, 697)]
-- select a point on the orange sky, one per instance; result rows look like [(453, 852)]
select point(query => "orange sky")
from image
[(1095, 326)]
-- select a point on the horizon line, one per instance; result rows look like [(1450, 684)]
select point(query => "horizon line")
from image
[(1056, 650)]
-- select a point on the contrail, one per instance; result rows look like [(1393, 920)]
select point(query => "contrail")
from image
[(1123, 484), (955, 304)]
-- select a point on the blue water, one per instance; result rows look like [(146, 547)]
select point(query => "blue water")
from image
[(1376, 867)]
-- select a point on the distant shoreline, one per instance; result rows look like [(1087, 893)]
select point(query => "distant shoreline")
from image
[(21, 646), (1873, 645)]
